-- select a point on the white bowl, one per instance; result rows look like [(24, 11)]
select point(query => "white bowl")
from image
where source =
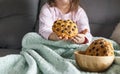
[(93, 63)]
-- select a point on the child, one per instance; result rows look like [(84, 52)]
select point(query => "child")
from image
[(64, 9)]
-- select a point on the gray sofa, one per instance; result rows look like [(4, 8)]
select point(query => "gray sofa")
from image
[(18, 17)]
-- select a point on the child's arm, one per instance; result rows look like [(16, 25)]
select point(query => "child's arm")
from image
[(45, 22), (84, 31), (83, 24), (53, 37)]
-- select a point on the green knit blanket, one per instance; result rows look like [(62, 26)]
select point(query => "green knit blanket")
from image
[(40, 56)]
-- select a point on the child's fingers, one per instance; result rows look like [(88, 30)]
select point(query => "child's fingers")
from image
[(58, 18), (60, 37), (77, 38), (63, 38), (84, 31), (74, 40), (80, 35)]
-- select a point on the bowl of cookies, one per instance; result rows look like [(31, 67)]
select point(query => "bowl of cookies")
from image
[(98, 57)]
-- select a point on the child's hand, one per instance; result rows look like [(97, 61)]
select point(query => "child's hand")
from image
[(54, 37), (78, 39)]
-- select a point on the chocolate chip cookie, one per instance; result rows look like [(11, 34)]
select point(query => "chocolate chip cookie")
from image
[(100, 47), (65, 28)]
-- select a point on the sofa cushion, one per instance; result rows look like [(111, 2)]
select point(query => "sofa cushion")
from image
[(103, 15), (102, 11), (102, 30), (17, 17)]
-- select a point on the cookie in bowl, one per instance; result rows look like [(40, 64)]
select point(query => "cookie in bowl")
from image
[(100, 47)]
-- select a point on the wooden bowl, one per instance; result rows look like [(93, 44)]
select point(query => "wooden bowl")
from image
[(93, 63)]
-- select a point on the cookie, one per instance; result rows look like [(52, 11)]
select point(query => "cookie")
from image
[(100, 47), (65, 28)]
